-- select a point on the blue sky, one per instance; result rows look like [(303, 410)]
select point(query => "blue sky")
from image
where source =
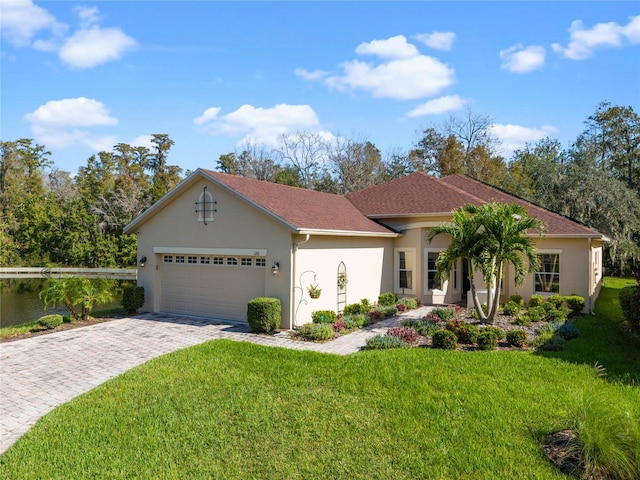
[(79, 77)]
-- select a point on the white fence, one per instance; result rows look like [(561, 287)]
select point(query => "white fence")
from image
[(57, 272)]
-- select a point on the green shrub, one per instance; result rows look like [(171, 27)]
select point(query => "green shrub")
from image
[(132, 299), (366, 305), (324, 316), (487, 340), (537, 314), (355, 321), (50, 321), (410, 303), (549, 341), (547, 307), (354, 309), (263, 314), (386, 299), (523, 319), (423, 326), (445, 313), (320, 331), (575, 303), (558, 315), (569, 331), (517, 338), (630, 304), (465, 332), (517, 299), (497, 330), (510, 308), (556, 299), (384, 342), (536, 301), (445, 339)]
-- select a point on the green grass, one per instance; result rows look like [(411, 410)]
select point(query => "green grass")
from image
[(237, 410), (603, 340)]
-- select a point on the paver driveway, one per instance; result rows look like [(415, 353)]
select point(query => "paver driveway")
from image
[(40, 373)]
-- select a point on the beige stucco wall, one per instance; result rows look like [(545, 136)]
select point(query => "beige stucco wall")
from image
[(369, 266), (236, 225), (576, 269)]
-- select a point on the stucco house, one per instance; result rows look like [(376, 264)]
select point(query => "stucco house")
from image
[(216, 241)]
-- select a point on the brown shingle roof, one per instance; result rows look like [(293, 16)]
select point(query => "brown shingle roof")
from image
[(556, 224), (415, 194), (300, 208), (421, 194)]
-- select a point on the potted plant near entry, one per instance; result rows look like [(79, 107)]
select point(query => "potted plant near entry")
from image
[(314, 291)]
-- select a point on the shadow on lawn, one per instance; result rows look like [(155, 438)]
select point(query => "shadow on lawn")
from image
[(604, 343)]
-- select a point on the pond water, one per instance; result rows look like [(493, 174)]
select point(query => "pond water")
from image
[(20, 301)]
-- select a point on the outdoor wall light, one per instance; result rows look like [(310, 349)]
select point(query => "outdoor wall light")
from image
[(143, 261), (275, 270)]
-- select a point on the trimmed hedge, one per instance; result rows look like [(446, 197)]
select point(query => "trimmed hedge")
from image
[(132, 299), (324, 316), (50, 321), (264, 314)]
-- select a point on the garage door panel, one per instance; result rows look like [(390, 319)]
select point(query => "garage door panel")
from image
[(210, 290)]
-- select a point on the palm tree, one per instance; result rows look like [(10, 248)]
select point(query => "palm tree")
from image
[(507, 240), (466, 243), (77, 291), (489, 237)]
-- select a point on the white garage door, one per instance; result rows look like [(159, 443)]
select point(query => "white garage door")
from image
[(211, 286)]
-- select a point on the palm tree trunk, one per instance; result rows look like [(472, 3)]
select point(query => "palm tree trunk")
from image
[(495, 301)]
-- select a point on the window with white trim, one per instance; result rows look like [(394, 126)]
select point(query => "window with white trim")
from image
[(167, 259), (218, 260), (246, 261), (179, 258), (405, 266), (205, 260), (261, 262), (193, 259), (432, 270), (547, 277)]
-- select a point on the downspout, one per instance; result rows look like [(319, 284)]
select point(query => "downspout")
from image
[(293, 280), (591, 275)]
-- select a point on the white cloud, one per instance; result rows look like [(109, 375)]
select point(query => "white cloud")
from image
[(394, 47), (102, 144), (142, 141), (87, 47), (208, 115), (311, 75), (520, 59), (71, 112), (438, 105), (21, 20), (514, 137), (95, 46), (437, 40), (264, 125), (88, 15), (63, 123), (583, 41), (402, 74)]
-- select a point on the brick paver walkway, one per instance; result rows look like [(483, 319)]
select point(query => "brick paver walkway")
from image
[(40, 373)]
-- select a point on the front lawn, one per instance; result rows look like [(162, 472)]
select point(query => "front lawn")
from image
[(237, 410)]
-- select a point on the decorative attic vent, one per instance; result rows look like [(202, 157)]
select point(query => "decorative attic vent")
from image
[(205, 206)]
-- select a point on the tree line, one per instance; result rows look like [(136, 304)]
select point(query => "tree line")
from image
[(49, 217)]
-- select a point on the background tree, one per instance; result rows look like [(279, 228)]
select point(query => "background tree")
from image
[(306, 152), (355, 165)]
